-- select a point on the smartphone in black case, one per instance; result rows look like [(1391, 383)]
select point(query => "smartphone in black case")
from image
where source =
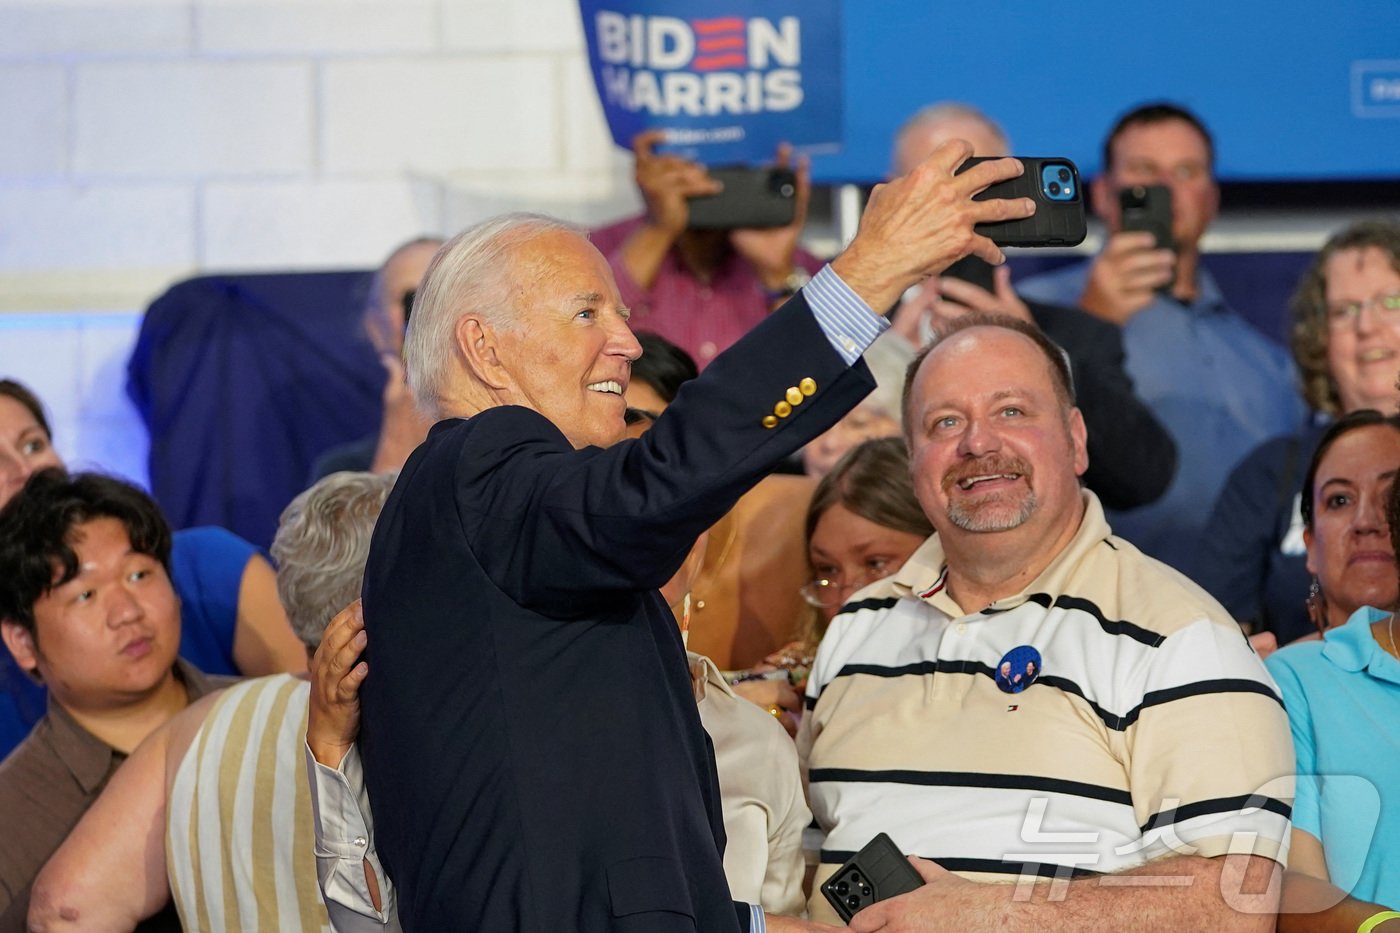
[(1148, 207), (752, 197), (875, 873), (1053, 184), (974, 270)]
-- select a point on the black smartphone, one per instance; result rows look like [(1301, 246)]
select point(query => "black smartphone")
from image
[(1053, 184), (975, 270), (1148, 207), (875, 873), (752, 197)]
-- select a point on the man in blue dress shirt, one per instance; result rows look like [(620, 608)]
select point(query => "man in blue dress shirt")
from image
[(1220, 386)]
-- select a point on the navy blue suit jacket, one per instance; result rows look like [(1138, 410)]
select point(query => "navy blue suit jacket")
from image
[(531, 744)]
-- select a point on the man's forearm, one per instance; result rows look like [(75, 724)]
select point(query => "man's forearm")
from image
[(1230, 893), (110, 872), (642, 253)]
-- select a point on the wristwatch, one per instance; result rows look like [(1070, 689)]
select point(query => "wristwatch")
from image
[(795, 280)]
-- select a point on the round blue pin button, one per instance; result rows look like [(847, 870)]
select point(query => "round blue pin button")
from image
[(1018, 669)]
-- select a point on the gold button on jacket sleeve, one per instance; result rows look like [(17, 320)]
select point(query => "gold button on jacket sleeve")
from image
[(782, 409), (794, 396), (769, 421), (807, 386)]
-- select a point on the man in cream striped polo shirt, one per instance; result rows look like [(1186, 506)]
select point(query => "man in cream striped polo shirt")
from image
[(1031, 700)]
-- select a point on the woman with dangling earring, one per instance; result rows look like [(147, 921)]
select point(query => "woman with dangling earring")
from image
[(1342, 689)]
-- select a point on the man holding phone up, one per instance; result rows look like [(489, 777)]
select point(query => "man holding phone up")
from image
[(1131, 456), (1217, 384), (700, 289)]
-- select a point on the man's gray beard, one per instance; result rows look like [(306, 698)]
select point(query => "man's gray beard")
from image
[(991, 518)]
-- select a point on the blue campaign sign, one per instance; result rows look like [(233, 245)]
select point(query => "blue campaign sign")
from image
[(728, 79)]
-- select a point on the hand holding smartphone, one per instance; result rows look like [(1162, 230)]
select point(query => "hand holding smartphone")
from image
[(1053, 184), (875, 873), (1130, 271), (1149, 208), (752, 198)]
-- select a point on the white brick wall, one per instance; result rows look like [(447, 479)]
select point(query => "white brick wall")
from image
[(33, 112), (465, 113), (370, 29), (166, 137), (192, 119), (93, 29), (512, 26), (584, 135), (148, 140), (280, 225), (70, 228)]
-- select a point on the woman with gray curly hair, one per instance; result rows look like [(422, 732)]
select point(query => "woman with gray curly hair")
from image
[(1346, 341)]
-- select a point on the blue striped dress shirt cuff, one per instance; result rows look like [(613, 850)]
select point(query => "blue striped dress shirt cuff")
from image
[(843, 315), (757, 922)]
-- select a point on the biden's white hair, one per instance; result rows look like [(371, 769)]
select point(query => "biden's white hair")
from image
[(470, 274)]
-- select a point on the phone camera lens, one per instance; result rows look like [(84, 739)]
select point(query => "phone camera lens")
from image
[(787, 190), (853, 902), (1064, 174), (842, 888), (1054, 187)]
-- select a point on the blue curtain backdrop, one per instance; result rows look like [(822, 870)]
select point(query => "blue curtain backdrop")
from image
[(243, 380)]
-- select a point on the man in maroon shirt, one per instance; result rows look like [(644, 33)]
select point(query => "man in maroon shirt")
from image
[(700, 289)]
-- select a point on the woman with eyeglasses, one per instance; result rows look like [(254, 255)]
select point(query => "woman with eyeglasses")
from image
[(862, 524), (1346, 341)]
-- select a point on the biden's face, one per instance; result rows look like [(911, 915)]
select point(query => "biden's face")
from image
[(571, 356)]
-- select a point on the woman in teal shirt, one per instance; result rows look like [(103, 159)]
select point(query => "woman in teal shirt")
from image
[(1342, 692)]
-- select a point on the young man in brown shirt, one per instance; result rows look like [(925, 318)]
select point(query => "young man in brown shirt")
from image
[(86, 606)]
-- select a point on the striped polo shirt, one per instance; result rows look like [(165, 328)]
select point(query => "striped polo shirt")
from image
[(239, 841), (1150, 727)]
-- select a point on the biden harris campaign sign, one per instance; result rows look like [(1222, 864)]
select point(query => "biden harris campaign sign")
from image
[(728, 79)]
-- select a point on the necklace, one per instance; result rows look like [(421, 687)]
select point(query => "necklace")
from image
[(1390, 634)]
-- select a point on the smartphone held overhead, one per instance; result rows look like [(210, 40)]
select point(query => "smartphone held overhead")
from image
[(1053, 184), (751, 197)]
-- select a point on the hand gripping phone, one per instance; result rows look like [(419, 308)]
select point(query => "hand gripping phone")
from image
[(1053, 184), (1148, 207), (875, 873), (752, 197)]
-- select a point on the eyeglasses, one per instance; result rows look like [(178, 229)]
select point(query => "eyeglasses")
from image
[(830, 594), (1387, 306)]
